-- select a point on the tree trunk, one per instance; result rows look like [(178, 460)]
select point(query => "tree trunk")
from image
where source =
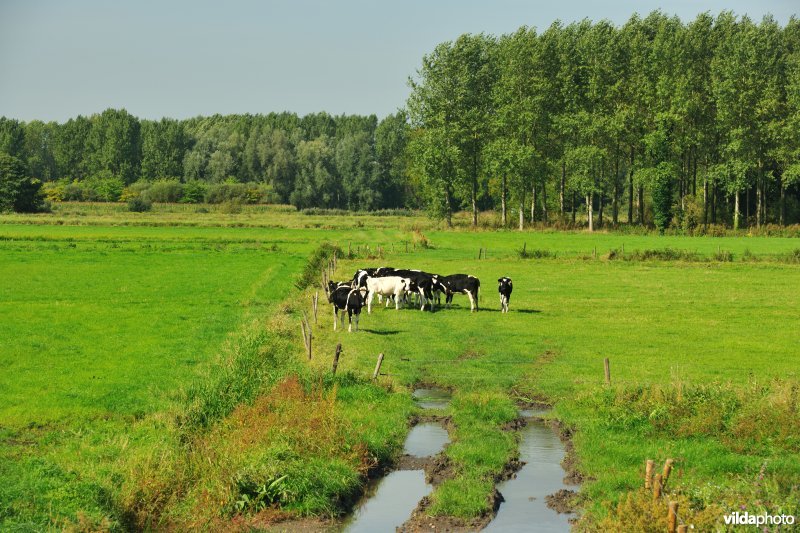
[(448, 209), (533, 203), (544, 201), (694, 173), (474, 204), (640, 201), (561, 187), (714, 203), (736, 212), (759, 201), (589, 211), (630, 189), (503, 201), (615, 204), (783, 203), (600, 210), (522, 213), (573, 207), (705, 202), (747, 207)]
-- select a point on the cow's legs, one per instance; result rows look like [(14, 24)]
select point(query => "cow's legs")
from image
[(370, 294), (471, 301), (358, 314), (349, 321), (334, 317)]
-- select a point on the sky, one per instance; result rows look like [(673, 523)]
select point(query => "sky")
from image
[(183, 58)]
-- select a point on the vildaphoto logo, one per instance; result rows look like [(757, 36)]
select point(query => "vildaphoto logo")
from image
[(747, 519)]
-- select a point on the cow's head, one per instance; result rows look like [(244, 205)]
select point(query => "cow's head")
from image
[(504, 284)]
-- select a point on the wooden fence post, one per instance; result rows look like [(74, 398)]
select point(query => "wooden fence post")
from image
[(308, 329), (683, 528), (607, 369), (378, 366), (336, 357), (672, 517), (657, 487), (648, 474), (314, 301), (305, 335), (667, 470)]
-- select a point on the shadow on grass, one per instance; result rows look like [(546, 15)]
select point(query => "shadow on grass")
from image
[(381, 332)]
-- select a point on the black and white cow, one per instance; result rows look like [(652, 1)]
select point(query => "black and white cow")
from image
[(344, 297), (421, 285), (459, 283), (361, 275), (504, 287)]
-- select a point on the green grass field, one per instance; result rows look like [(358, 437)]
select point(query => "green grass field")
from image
[(109, 318)]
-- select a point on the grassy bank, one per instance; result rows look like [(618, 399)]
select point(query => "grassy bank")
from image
[(156, 375)]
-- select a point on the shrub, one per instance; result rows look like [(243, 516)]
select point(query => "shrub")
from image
[(165, 191), (139, 205), (194, 192), (535, 253), (105, 186)]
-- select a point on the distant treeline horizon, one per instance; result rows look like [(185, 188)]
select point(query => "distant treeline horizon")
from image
[(669, 123)]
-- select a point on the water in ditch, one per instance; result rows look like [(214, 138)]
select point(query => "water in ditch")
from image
[(389, 502), (432, 398), (426, 439), (524, 508)]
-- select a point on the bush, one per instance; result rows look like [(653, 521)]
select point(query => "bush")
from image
[(524, 253), (165, 191), (139, 205), (194, 192), (246, 193), (105, 186)]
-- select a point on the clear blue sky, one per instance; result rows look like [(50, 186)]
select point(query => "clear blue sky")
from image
[(182, 58)]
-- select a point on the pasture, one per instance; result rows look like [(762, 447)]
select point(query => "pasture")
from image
[(107, 324)]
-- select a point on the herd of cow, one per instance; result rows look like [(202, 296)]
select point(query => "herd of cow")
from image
[(401, 286)]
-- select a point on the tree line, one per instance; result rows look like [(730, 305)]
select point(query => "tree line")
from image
[(654, 122), (674, 123), (318, 160)]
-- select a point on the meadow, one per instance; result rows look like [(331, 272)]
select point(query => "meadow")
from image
[(140, 349)]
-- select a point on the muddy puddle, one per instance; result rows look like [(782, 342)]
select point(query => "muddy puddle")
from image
[(432, 398), (524, 507), (426, 439), (389, 501)]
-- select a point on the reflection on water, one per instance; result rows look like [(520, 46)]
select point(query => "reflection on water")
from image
[(389, 503), (524, 508), (426, 439), (432, 398)]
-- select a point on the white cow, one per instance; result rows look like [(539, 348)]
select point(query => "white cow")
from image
[(387, 286)]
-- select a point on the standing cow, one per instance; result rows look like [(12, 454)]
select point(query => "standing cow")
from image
[(387, 286), (504, 287), (344, 297), (459, 283)]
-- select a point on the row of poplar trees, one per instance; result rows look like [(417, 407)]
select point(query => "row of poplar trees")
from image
[(655, 113)]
